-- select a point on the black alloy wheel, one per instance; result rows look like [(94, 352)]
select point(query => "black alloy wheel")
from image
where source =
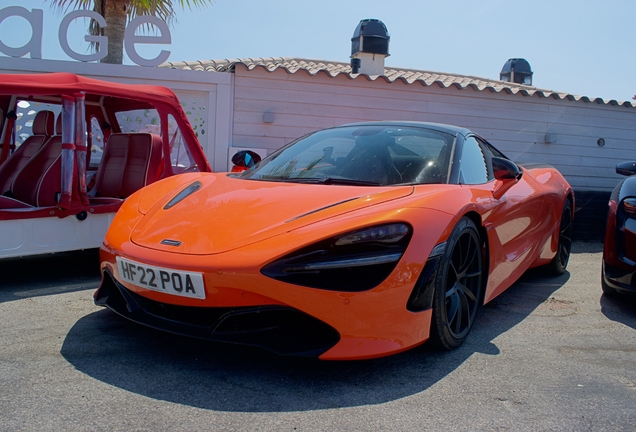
[(560, 261), (458, 285)]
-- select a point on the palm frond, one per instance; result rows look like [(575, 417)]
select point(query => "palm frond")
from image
[(64, 6), (195, 3), (162, 9), (183, 3)]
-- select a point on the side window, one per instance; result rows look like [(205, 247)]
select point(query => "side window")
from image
[(139, 120), (494, 151), (473, 166), (180, 156), (97, 142), (489, 153)]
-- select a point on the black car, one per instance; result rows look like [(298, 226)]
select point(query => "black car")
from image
[(619, 252)]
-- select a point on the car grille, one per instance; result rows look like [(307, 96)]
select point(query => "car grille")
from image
[(280, 329)]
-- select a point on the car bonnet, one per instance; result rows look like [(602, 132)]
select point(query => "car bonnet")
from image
[(226, 213)]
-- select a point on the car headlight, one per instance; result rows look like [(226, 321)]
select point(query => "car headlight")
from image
[(354, 261)]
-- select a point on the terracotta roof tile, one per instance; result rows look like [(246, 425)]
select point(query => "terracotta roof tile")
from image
[(409, 76)]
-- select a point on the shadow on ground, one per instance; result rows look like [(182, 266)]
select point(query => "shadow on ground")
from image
[(620, 308), (242, 379), (51, 274)]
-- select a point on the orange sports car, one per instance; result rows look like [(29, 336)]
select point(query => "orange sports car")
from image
[(353, 242)]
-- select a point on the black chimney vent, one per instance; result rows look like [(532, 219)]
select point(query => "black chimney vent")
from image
[(516, 70), (371, 36), (355, 65)]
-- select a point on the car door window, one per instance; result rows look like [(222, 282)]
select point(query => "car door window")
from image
[(180, 156), (473, 168), (139, 120), (493, 151)]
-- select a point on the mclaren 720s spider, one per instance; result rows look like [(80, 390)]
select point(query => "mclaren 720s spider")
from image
[(353, 242)]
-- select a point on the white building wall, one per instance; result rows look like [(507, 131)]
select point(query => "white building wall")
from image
[(515, 124)]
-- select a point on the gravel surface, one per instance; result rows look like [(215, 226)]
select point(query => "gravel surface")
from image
[(548, 354)]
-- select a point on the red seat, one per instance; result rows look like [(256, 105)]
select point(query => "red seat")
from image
[(43, 125), (130, 162), (39, 182)]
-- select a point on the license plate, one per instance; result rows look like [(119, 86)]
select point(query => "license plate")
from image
[(169, 281)]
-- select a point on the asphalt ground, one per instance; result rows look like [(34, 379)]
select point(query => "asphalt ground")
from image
[(548, 354)]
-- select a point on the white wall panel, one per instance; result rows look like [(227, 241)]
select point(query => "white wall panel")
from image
[(516, 124)]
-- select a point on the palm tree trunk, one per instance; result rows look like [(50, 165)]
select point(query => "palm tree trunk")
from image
[(114, 12)]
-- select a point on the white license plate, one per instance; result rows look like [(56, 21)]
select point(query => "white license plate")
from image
[(165, 280)]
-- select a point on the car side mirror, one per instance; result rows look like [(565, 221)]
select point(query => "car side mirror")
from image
[(626, 168), (504, 169), (244, 160)]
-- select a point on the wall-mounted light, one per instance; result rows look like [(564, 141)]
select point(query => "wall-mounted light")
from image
[(550, 138), (268, 117), (600, 142)]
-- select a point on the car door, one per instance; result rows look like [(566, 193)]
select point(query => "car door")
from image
[(512, 219)]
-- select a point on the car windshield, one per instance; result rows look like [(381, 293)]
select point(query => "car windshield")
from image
[(377, 155)]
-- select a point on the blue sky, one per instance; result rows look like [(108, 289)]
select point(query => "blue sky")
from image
[(582, 47)]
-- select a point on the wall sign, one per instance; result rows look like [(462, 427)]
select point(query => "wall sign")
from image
[(35, 18)]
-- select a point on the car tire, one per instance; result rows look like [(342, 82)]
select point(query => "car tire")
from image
[(560, 261), (458, 286)]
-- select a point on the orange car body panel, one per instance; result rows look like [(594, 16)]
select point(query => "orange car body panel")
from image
[(242, 225)]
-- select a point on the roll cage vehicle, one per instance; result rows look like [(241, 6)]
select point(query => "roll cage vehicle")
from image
[(72, 149)]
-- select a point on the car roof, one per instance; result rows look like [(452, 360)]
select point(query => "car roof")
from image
[(63, 82), (440, 127)]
